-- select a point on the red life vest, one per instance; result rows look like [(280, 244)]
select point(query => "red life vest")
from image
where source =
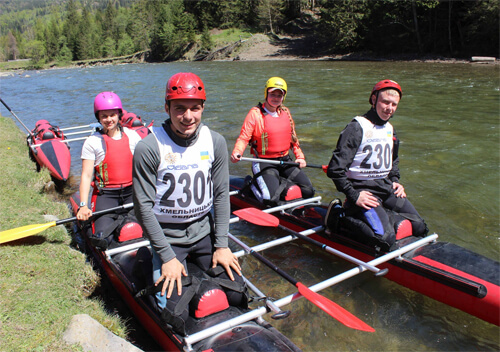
[(115, 171), (280, 130)]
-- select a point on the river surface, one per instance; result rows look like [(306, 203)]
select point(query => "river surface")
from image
[(448, 123)]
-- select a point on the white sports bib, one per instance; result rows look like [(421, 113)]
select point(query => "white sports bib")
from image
[(184, 188), (373, 158)]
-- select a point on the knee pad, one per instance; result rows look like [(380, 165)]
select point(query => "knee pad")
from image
[(209, 299), (403, 229), (129, 230), (292, 192)]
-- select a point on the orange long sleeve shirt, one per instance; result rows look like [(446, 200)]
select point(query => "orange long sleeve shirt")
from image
[(253, 127)]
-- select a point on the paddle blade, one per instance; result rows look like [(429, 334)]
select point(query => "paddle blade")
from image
[(336, 311), (257, 217), (24, 231)]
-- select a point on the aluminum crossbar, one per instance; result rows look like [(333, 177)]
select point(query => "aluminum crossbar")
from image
[(253, 314)]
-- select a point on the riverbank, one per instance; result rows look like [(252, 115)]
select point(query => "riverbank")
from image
[(261, 47), (267, 48), (44, 280)]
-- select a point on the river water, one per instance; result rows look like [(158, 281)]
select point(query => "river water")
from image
[(448, 123)]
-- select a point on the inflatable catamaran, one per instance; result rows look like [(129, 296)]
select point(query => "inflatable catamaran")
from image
[(127, 263), (443, 271)]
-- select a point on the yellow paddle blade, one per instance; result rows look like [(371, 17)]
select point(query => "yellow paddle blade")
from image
[(24, 231)]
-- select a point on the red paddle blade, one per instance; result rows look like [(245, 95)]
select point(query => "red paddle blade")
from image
[(257, 217), (336, 311)]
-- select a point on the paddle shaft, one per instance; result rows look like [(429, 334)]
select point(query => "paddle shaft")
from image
[(279, 162), (94, 126), (377, 271), (18, 119), (259, 217), (264, 260), (78, 132), (333, 309), (100, 212), (62, 141)]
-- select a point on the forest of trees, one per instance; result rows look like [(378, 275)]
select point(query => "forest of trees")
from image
[(67, 30)]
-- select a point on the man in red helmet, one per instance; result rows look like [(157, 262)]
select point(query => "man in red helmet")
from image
[(180, 173), (364, 166)]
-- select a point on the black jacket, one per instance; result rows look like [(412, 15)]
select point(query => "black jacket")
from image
[(343, 155)]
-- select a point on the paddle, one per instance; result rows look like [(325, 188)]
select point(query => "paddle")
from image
[(94, 126), (78, 132), (333, 309), (18, 119), (30, 230), (62, 141), (258, 217), (279, 162)]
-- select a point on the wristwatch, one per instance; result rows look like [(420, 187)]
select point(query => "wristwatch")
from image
[(82, 204)]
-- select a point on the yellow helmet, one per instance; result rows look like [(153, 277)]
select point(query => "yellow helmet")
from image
[(277, 83)]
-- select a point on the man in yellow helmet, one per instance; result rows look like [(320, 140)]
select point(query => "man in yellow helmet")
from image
[(270, 130)]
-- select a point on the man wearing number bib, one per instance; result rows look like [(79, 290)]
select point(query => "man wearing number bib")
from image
[(180, 174), (364, 166)]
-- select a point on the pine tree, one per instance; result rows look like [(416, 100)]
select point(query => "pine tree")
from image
[(13, 51), (71, 28)]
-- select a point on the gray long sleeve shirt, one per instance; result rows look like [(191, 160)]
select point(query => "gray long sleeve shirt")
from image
[(146, 163)]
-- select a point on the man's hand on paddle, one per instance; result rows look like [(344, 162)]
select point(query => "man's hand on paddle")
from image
[(226, 258), (84, 213), (172, 272), (302, 163), (235, 157)]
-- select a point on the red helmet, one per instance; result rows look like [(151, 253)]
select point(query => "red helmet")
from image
[(385, 84), (185, 85)]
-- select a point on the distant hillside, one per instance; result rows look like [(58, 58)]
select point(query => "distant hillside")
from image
[(61, 31)]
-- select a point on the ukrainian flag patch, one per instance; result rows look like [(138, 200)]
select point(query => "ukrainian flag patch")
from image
[(204, 155)]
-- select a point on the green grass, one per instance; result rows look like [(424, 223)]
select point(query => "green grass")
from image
[(43, 280), (15, 65), (231, 35)]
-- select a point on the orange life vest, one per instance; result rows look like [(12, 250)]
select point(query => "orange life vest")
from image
[(275, 140)]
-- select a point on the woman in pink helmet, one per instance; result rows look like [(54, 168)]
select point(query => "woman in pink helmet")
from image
[(106, 165), (364, 166)]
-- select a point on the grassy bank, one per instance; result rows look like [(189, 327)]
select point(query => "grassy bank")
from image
[(220, 38), (43, 280)]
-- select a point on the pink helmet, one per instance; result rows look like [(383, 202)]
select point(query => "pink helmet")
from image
[(185, 85), (385, 84), (106, 101)]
